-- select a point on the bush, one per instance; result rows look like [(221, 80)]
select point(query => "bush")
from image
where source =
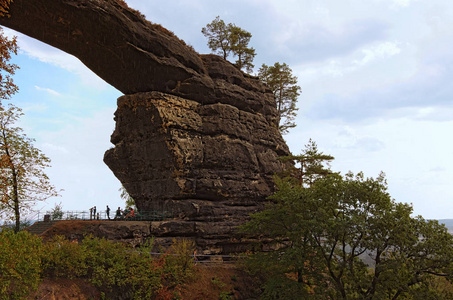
[(63, 258), (114, 268), (57, 212), (180, 260), (20, 264), (145, 276), (106, 262)]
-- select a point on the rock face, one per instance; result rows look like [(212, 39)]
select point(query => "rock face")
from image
[(194, 135), (209, 165)]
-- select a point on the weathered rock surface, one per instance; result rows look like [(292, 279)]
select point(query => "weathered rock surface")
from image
[(113, 41), (209, 165), (194, 135)]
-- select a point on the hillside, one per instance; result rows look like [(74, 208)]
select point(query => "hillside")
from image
[(211, 281), (448, 223)]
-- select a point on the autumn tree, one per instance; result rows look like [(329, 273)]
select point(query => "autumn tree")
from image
[(22, 178), (4, 7), (7, 69), (280, 79), (224, 39), (344, 237), (7, 47)]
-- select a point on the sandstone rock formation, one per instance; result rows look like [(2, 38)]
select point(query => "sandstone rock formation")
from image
[(194, 135)]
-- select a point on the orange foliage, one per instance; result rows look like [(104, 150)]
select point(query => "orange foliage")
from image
[(7, 47), (4, 7)]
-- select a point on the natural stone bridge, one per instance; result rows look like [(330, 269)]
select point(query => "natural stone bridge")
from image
[(193, 134)]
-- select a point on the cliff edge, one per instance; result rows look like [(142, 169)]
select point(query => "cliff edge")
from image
[(194, 135)]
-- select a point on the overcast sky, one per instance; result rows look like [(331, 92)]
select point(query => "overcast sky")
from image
[(376, 92)]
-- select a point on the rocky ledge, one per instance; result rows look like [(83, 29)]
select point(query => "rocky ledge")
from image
[(209, 165), (194, 135)]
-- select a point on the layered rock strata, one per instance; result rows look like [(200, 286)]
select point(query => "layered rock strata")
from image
[(194, 135), (210, 166)]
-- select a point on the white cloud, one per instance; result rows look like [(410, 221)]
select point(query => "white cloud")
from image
[(348, 138), (49, 147), (380, 51), (363, 59), (376, 88), (397, 4), (415, 156), (48, 54), (402, 3), (76, 152), (47, 90)]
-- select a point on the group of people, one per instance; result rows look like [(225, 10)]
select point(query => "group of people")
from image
[(120, 214), (127, 213), (93, 215)]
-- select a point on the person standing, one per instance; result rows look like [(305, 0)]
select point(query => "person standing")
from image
[(108, 212), (118, 214), (94, 212), (91, 213)]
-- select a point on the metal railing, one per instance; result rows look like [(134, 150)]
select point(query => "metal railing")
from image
[(208, 258), (42, 221), (153, 215)]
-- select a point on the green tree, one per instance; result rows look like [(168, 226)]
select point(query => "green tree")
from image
[(239, 47), (129, 201), (218, 36), (345, 238), (56, 213), (225, 39), (309, 165), (283, 83), (22, 177)]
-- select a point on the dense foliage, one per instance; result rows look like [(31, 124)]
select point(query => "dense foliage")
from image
[(7, 70), (4, 7), (22, 178), (344, 237), (20, 264), (112, 267)]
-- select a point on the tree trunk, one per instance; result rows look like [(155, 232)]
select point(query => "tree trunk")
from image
[(15, 193), (15, 199)]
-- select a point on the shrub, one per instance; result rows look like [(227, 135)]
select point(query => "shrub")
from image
[(20, 264), (106, 262), (63, 258), (180, 260), (145, 275), (114, 268), (57, 212)]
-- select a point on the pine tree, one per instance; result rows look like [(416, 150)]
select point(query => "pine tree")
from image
[(283, 83), (310, 165), (218, 37), (229, 39), (239, 47)]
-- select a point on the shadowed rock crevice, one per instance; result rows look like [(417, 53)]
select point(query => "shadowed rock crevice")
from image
[(194, 135)]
